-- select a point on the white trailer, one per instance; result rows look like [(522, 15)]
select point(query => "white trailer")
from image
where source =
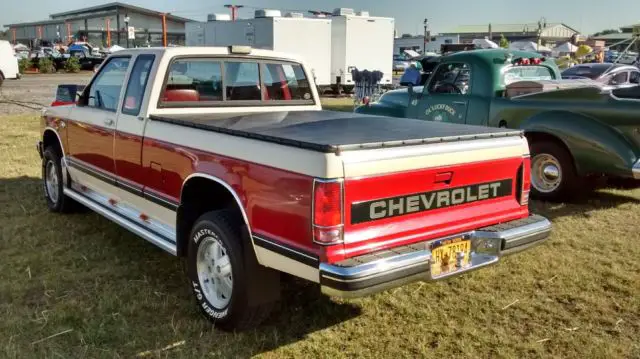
[(363, 42), (308, 38)]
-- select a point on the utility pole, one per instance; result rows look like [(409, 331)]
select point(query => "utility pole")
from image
[(427, 36), (164, 29), (234, 10), (542, 23)]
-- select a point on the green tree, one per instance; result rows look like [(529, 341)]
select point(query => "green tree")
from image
[(72, 65), (606, 32), (504, 43), (23, 65)]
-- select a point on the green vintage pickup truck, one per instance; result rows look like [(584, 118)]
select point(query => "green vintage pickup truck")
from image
[(576, 128)]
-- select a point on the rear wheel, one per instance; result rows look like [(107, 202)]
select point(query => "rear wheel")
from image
[(220, 274), (553, 175)]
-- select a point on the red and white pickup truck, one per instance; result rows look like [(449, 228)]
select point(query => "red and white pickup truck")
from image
[(225, 157)]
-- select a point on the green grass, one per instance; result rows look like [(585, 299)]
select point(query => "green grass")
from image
[(576, 296)]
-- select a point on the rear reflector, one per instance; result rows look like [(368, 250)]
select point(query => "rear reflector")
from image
[(525, 180), (327, 212)]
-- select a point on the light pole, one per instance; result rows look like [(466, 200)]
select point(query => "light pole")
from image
[(427, 36), (542, 23), (234, 10), (126, 26)]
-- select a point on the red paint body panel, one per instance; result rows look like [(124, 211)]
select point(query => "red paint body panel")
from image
[(56, 124), (128, 158), (91, 144), (385, 233), (277, 202)]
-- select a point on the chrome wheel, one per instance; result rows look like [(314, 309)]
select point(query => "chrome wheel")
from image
[(214, 272), (546, 173), (51, 181)]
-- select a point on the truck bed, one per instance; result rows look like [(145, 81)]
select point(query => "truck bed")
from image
[(332, 131)]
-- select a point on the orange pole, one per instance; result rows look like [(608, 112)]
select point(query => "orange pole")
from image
[(164, 30), (108, 32), (69, 36)]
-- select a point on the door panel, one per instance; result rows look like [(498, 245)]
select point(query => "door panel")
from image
[(446, 96), (92, 123)]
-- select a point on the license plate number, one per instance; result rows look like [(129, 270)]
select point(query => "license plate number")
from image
[(449, 256)]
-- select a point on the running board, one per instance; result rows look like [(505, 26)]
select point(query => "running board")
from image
[(158, 240)]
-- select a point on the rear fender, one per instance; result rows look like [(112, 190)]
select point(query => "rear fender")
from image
[(594, 146)]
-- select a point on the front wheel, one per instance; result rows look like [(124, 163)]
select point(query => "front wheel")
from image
[(553, 175), (53, 182), (220, 277)]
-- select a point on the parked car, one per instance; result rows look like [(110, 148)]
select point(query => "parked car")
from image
[(576, 131), (224, 156), (8, 62), (400, 63), (610, 75), (87, 61)]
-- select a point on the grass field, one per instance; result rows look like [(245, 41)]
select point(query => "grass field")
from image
[(80, 286)]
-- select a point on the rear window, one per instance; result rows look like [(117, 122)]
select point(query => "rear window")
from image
[(285, 82), (206, 82), (527, 73)]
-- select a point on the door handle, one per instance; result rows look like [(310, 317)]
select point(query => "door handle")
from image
[(109, 121), (459, 103)]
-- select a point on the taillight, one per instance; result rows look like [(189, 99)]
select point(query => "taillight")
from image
[(327, 212), (525, 181)]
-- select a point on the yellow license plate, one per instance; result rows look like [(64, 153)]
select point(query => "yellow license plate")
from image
[(449, 256)]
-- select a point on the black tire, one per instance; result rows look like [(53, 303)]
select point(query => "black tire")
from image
[(570, 184), (243, 310), (57, 203)]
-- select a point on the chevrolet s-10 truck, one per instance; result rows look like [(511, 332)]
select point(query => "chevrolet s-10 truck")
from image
[(577, 130), (224, 156)]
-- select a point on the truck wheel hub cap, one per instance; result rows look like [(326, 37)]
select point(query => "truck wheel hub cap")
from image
[(546, 173), (51, 181), (214, 272)]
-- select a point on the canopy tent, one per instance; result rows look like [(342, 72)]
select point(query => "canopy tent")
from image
[(485, 44), (115, 48), (528, 46), (566, 48), (411, 53), (20, 47)]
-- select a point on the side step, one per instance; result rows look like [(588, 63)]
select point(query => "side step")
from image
[(159, 241)]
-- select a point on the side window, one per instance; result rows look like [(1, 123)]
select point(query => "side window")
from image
[(285, 82), (619, 78), (137, 85), (634, 77), (453, 78), (193, 80), (242, 81), (105, 90)]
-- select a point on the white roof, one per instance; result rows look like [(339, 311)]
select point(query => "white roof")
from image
[(207, 50)]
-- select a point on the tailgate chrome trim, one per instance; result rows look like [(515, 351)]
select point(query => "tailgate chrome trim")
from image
[(370, 274)]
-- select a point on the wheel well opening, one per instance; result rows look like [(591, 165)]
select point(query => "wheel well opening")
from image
[(200, 195), (533, 137), (51, 139)]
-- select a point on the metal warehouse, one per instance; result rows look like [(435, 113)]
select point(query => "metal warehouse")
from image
[(108, 25)]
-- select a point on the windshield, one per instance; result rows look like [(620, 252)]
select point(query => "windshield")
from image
[(589, 72), (527, 73)]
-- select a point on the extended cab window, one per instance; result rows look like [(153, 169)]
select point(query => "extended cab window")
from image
[(137, 84), (285, 82), (242, 81), (194, 80), (527, 73), (619, 78), (105, 90), (453, 78)]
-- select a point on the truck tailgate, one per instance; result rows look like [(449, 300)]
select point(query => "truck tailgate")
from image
[(397, 196)]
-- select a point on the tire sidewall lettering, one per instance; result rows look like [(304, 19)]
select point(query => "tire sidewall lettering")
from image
[(206, 307)]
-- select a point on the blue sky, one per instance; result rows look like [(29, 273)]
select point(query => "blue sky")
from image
[(587, 16)]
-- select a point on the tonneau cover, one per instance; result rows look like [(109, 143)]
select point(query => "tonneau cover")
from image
[(332, 131)]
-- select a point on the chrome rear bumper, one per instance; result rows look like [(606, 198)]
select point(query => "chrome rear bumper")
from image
[(373, 273)]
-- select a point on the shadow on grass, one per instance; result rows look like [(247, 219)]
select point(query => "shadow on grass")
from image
[(121, 259), (592, 201)]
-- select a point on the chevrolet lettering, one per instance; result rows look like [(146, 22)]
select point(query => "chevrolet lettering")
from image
[(245, 182), (420, 202)]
